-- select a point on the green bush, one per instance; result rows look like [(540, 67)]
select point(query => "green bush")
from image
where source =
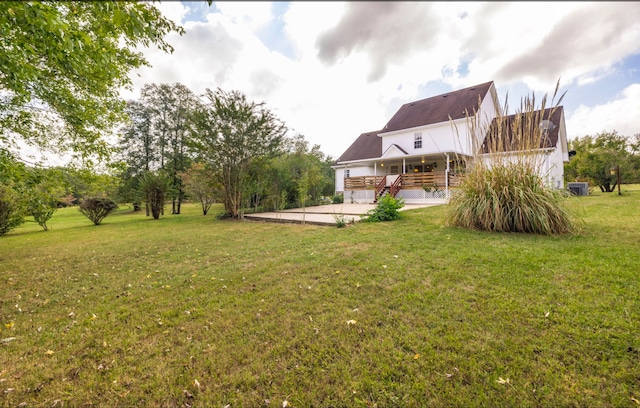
[(96, 209), (338, 199), (41, 210), (11, 214), (388, 209)]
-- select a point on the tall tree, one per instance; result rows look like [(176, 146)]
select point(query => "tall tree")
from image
[(172, 107), (156, 137), (231, 131), (62, 65)]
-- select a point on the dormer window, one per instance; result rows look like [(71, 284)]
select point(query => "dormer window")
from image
[(417, 140)]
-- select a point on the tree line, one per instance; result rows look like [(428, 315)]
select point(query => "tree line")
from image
[(62, 65), (176, 145), (219, 146)]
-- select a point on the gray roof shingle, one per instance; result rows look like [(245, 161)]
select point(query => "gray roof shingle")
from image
[(509, 143), (367, 146), (439, 108)]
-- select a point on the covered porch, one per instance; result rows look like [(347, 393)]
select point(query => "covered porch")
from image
[(417, 180)]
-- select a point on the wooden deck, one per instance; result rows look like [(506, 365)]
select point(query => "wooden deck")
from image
[(408, 181)]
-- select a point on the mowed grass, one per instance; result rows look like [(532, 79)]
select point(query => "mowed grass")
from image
[(192, 311)]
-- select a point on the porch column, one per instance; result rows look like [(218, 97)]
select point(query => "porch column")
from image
[(446, 178), (375, 169), (404, 166)]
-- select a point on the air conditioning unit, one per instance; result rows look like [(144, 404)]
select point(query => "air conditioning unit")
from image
[(578, 188)]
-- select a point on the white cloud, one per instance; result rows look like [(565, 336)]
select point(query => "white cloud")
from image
[(620, 114), (173, 10), (253, 14), (352, 61)]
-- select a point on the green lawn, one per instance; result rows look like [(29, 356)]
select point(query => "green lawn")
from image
[(192, 311)]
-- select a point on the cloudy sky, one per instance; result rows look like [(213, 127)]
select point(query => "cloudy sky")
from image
[(333, 70)]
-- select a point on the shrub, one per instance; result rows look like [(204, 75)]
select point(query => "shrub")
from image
[(338, 199), (11, 215), (41, 210), (388, 209), (155, 188), (96, 209)]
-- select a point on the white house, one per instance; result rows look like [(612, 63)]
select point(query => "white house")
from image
[(418, 155)]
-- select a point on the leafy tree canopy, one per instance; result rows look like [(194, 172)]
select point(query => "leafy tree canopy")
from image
[(62, 65), (231, 133), (597, 155)]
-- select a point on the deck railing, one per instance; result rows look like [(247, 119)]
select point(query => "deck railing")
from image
[(362, 182), (406, 181)]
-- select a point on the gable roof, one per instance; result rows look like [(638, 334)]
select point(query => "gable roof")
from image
[(367, 146), (394, 147), (439, 108), (548, 140)]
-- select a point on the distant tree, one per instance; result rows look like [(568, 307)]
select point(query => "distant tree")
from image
[(97, 208), (155, 187), (11, 213), (231, 132), (202, 185), (597, 155), (300, 166), (62, 65), (42, 190), (84, 182)]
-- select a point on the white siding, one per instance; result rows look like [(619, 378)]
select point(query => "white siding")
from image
[(353, 172)]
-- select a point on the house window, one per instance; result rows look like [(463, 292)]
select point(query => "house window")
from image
[(394, 170), (346, 173), (417, 140)]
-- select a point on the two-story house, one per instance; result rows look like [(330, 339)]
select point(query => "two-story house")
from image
[(420, 153)]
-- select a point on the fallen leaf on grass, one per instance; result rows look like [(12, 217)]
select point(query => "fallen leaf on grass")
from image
[(9, 325), (197, 383), (285, 404), (547, 314), (417, 356), (350, 322), (635, 400), (49, 352), (501, 380)]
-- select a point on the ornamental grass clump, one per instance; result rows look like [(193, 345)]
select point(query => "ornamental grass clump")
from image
[(506, 188)]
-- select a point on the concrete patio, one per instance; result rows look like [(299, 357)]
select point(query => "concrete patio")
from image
[(324, 214)]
